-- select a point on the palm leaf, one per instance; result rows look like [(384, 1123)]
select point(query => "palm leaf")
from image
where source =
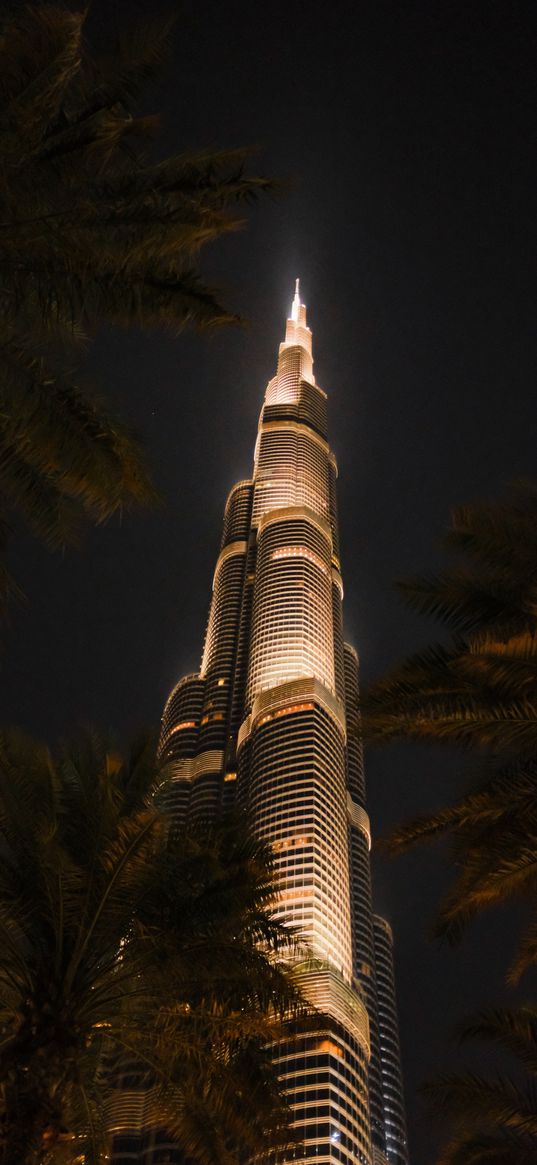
[(526, 955), (501, 1148), (478, 1099), (137, 57), (467, 604), (513, 1029), (55, 38), (493, 1119), (125, 948), (93, 232)]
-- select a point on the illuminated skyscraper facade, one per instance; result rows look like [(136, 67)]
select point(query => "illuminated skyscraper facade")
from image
[(271, 722)]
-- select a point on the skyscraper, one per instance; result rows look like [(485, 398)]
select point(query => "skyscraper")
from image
[(271, 721)]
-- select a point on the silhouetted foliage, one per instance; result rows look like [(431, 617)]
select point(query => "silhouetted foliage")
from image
[(92, 231), (479, 691), (124, 941), (494, 1116)]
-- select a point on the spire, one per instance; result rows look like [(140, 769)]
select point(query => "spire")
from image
[(298, 335), (298, 309), (296, 302)]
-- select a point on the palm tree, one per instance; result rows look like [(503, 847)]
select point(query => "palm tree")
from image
[(493, 835), (126, 945), (494, 1117), (478, 690), (92, 231)]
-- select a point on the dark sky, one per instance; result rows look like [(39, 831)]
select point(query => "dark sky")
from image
[(409, 130)]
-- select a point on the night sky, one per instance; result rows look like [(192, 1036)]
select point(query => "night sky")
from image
[(408, 130)]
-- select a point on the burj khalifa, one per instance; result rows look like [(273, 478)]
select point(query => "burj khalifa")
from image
[(271, 724)]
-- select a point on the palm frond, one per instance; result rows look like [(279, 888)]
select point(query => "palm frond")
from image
[(67, 438), (501, 1148), (137, 57), (499, 536), (467, 604), (514, 1029), (526, 955), (493, 1119), (498, 794), (486, 881), (477, 691), (496, 1101), (124, 944), (39, 49), (54, 518), (93, 231), (54, 37)]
